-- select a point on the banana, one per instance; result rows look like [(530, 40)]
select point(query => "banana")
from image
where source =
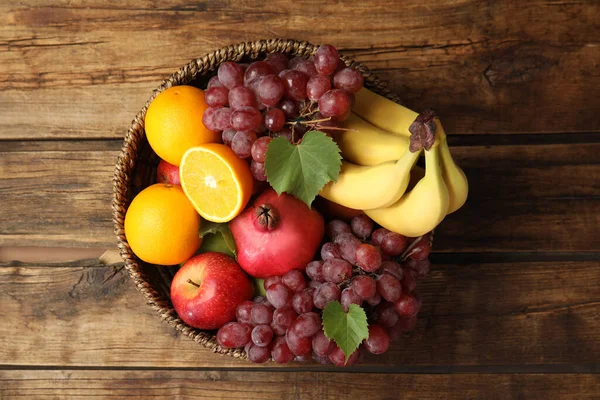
[(383, 113), (365, 144), (421, 209), (454, 177), (367, 187)]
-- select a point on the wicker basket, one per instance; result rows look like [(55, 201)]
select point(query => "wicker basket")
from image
[(136, 169)]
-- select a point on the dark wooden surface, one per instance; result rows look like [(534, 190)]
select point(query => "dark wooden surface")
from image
[(511, 309)]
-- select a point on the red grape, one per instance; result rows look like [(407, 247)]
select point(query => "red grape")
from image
[(362, 226), (233, 334), (241, 97), (348, 297), (274, 119), (314, 270), (258, 171), (364, 286), (386, 315), (294, 83), (277, 61), (242, 312), (349, 79), (242, 142), (302, 302), (368, 257), (420, 251), (338, 357), (409, 281), (421, 267), (393, 244), (256, 69), (258, 354), (290, 108), (325, 293), (217, 96), (306, 325), (300, 346), (321, 345), (261, 314), (336, 103), (259, 149), (393, 268), (378, 235), (270, 90), (246, 119), (279, 295), (337, 270), (378, 341), (389, 287), (282, 319), (348, 244), (376, 299), (262, 335), (292, 63), (214, 82), (330, 250), (407, 305), (326, 59), (317, 86), (285, 132), (227, 136), (307, 67), (271, 280), (281, 352), (294, 280), (337, 227), (231, 75)]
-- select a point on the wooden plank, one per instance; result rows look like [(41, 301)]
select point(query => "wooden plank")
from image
[(71, 69), (540, 198), (211, 385), (499, 315)]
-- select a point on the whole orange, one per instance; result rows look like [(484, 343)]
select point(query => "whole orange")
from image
[(174, 122), (162, 226)]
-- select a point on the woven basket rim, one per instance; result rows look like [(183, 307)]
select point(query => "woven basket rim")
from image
[(126, 164)]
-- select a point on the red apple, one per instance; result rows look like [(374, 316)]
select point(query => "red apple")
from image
[(167, 173), (207, 290)]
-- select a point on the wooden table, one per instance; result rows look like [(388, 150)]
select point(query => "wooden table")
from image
[(511, 309)]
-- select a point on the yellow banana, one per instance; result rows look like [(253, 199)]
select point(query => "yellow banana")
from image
[(383, 113), (421, 209), (454, 177), (377, 186), (365, 144)]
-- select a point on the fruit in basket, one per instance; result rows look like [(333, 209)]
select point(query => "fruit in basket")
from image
[(370, 187), (207, 290), (275, 234), (161, 226), (383, 112), (421, 209), (167, 173), (365, 144), (173, 122), (216, 181)]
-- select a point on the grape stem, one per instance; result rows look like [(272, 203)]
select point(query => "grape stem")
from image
[(407, 252)]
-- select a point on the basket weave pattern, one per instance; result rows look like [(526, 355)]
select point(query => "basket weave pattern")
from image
[(136, 170)]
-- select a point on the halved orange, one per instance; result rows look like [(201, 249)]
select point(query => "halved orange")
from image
[(216, 181)]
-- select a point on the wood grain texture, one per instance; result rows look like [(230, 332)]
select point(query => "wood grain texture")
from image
[(297, 385), (496, 315), (71, 69), (523, 198)]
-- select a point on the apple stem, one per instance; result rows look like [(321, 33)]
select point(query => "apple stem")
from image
[(193, 283)]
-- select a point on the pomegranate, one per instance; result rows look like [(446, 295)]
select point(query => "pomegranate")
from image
[(276, 234)]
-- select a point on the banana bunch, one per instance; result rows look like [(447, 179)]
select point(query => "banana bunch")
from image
[(377, 168)]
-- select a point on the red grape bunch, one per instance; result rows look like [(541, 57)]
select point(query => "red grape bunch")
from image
[(251, 104), (373, 268)]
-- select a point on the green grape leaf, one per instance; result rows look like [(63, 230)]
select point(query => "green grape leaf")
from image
[(347, 330), (216, 237), (302, 170)]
